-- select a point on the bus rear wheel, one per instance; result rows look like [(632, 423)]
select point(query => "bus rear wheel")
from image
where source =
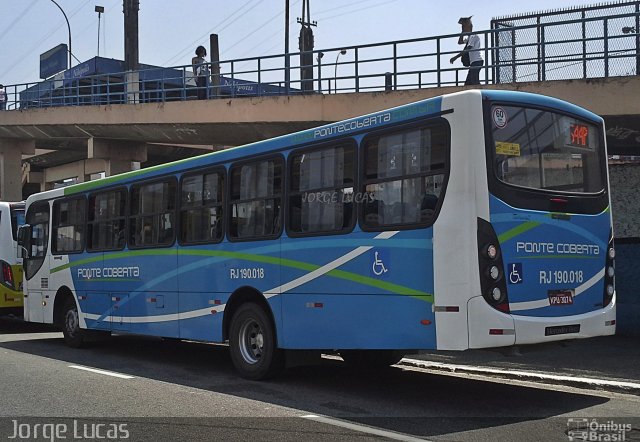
[(371, 359), (252, 344), (73, 334)]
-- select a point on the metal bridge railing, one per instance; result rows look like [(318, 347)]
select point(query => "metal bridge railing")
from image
[(605, 51)]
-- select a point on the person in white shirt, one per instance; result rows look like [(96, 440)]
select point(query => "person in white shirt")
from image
[(3, 98), (201, 72), (472, 49)]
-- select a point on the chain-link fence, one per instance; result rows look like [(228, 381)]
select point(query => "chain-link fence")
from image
[(584, 42)]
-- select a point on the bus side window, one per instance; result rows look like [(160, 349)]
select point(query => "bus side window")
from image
[(106, 220), (403, 170), (152, 214), (201, 207), (256, 199), (321, 189)]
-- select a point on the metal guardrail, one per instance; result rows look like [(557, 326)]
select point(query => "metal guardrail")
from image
[(396, 65)]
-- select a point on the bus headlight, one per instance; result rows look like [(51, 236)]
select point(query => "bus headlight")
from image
[(492, 251), (494, 272), (610, 290), (496, 294), (610, 271), (612, 253)]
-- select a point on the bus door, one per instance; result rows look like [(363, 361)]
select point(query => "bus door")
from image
[(36, 272)]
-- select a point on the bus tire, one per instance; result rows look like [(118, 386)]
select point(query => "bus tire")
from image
[(371, 359), (73, 334), (252, 344)]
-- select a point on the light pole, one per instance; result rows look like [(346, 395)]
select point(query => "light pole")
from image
[(99, 10), (68, 27), (335, 72)]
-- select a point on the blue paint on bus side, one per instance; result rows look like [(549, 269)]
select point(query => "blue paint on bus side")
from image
[(377, 309), (161, 286), (174, 291)]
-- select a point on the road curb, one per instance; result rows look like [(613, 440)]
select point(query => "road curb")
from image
[(626, 387)]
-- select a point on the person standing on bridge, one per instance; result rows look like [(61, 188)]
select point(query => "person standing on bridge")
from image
[(471, 50), (201, 72), (3, 98)]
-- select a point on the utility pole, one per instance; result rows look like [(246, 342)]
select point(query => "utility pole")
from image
[(214, 53), (131, 61), (306, 48), (130, 9)]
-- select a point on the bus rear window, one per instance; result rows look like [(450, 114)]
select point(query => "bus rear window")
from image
[(543, 150)]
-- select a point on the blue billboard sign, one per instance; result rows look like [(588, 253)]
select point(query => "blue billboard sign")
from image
[(53, 61)]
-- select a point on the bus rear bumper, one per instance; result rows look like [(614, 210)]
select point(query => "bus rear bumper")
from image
[(491, 328), (532, 330)]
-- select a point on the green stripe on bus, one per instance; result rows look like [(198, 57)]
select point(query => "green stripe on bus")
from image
[(524, 227), (341, 274), (384, 285)]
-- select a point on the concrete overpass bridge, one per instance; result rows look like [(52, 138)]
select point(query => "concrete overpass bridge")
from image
[(75, 142), (51, 135)]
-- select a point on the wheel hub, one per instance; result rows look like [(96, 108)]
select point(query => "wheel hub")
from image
[(251, 342), (71, 322)]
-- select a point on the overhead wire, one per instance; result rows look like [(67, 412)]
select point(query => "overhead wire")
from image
[(279, 14), (53, 30), (317, 15), (17, 20), (181, 53)]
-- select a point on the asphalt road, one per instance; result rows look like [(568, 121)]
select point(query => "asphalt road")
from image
[(186, 391)]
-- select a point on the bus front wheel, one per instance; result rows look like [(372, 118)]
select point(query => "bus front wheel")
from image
[(252, 343), (73, 334)]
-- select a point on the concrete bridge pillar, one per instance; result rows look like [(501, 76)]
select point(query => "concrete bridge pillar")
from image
[(11, 151), (117, 154), (77, 170), (109, 156)]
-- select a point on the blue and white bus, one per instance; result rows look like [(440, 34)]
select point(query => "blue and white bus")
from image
[(471, 220)]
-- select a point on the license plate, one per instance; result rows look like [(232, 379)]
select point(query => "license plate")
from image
[(560, 297), (562, 330)]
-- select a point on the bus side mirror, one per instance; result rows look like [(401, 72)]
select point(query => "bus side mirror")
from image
[(24, 234)]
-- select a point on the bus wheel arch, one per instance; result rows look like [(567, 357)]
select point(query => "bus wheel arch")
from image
[(250, 328), (62, 298), (239, 297), (66, 317)]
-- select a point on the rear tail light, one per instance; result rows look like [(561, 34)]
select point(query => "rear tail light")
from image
[(492, 282), (7, 275), (609, 277)]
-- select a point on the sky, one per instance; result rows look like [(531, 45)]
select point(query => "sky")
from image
[(170, 30)]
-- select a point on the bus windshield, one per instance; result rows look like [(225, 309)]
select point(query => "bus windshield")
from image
[(17, 219), (543, 150)]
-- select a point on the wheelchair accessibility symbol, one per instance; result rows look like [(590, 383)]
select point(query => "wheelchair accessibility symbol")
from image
[(515, 273), (378, 266)]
